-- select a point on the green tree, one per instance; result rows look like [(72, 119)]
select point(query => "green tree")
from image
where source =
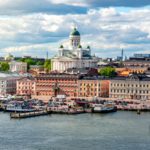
[(47, 65), (107, 71), (39, 63), (30, 61), (4, 66)]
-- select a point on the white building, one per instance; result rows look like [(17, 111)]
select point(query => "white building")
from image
[(74, 56), (18, 67), (132, 87)]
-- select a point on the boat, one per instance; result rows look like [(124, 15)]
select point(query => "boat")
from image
[(4, 98), (17, 108), (104, 108)]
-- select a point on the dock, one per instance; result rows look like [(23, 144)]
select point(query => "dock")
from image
[(29, 114), (66, 111)]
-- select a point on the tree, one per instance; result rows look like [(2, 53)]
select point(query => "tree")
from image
[(39, 63), (47, 65), (4, 66), (107, 71), (30, 61)]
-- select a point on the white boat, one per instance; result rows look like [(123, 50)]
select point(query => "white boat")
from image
[(17, 108), (104, 108), (4, 98)]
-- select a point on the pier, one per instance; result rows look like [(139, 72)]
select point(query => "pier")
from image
[(29, 114), (65, 111)]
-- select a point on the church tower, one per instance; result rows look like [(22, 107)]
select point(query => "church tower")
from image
[(74, 39)]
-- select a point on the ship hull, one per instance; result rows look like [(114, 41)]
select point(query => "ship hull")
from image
[(114, 109)]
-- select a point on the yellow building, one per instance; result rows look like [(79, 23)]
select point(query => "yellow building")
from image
[(126, 71)]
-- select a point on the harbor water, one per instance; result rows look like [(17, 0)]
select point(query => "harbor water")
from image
[(113, 131)]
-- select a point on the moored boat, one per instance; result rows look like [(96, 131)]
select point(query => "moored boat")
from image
[(17, 107), (104, 108)]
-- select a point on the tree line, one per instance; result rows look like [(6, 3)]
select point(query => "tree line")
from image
[(4, 66)]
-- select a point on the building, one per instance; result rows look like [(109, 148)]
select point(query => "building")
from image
[(75, 56), (8, 84), (138, 60), (25, 86), (50, 85), (36, 69), (140, 55), (136, 63), (93, 87), (18, 67), (82, 71), (131, 70), (123, 71), (70, 85), (132, 87)]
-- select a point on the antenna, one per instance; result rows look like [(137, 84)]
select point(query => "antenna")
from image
[(122, 54), (47, 55)]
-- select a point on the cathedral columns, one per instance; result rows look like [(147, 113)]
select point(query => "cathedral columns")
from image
[(56, 64)]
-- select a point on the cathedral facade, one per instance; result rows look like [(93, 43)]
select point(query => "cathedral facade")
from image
[(73, 57)]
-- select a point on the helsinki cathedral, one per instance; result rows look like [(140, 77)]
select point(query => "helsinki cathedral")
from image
[(73, 57)]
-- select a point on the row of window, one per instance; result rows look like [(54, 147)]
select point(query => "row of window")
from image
[(89, 84), (25, 88), (129, 91), (89, 89), (89, 94), (25, 83), (129, 85)]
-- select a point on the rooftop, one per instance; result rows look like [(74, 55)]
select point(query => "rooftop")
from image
[(58, 76), (133, 78), (8, 76)]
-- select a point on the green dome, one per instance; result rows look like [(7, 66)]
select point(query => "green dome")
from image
[(79, 46), (88, 47), (75, 32), (61, 46)]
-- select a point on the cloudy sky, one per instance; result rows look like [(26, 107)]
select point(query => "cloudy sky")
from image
[(32, 27)]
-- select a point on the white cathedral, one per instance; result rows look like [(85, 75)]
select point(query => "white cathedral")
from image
[(74, 56)]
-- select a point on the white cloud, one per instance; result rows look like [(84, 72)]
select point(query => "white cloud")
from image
[(106, 30), (70, 2), (108, 12)]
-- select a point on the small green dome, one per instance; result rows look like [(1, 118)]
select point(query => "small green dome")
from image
[(88, 47), (75, 32), (61, 46), (79, 46)]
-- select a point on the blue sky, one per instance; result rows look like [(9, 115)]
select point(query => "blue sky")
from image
[(32, 27)]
